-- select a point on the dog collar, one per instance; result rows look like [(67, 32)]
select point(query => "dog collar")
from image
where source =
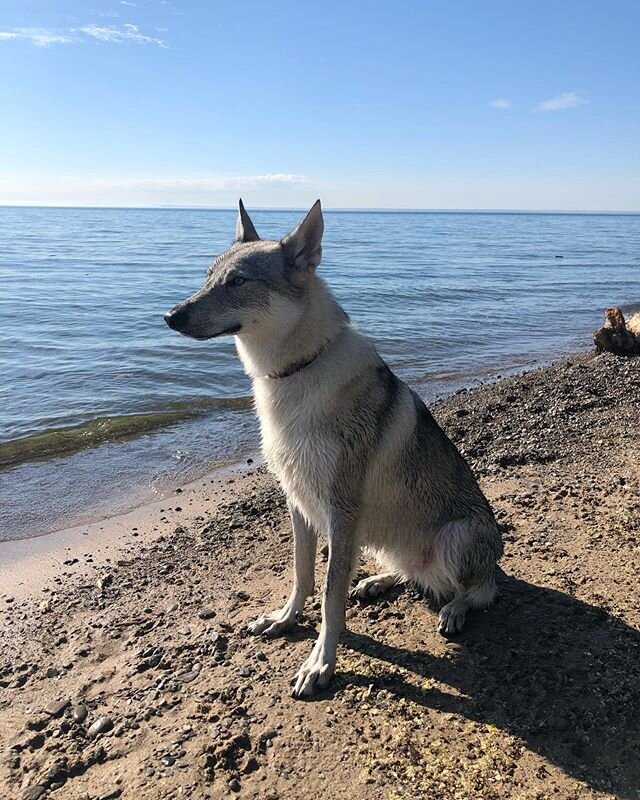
[(297, 365)]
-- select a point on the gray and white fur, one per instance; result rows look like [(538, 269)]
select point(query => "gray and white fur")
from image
[(356, 451)]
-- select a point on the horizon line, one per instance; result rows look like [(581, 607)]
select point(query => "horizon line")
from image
[(337, 209)]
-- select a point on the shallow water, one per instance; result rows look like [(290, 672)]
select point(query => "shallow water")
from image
[(102, 404)]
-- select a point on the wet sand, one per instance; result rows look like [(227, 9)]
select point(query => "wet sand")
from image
[(129, 673)]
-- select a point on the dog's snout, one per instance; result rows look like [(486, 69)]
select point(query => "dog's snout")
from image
[(176, 318)]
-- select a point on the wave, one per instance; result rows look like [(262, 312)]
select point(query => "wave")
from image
[(72, 439)]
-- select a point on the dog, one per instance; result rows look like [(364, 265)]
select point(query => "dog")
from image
[(357, 453)]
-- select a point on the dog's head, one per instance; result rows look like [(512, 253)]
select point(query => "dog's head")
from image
[(255, 286)]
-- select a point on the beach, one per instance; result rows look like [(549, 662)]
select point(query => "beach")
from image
[(126, 670)]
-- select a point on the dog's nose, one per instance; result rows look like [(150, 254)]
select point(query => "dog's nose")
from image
[(176, 319)]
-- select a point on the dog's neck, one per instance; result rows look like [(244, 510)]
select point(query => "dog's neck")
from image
[(277, 352)]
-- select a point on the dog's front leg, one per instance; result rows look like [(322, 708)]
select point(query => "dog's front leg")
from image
[(304, 558), (318, 669)]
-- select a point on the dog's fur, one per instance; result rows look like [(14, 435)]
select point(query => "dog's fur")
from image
[(356, 451)]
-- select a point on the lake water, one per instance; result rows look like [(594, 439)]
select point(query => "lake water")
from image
[(102, 406)]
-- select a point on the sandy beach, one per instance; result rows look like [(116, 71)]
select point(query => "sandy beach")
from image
[(126, 671)]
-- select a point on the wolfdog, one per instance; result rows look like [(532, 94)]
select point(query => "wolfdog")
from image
[(357, 453)]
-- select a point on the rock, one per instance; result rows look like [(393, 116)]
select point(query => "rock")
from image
[(79, 713), (168, 760), (234, 785), (38, 724), (250, 765), (187, 677), (52, 672), (207, 613), (56, 708), (36, 742), (265, 739), (101, 725), (34, 792)]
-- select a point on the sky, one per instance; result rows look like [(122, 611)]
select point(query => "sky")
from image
[(435, 104)]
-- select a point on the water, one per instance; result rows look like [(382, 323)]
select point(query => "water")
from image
[(102, 405)]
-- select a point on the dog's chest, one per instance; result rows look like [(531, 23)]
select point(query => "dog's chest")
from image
[(301, 449)]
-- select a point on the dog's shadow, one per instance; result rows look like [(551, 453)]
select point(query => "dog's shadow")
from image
[(560, 674)]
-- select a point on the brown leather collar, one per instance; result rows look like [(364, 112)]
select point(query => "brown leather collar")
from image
[(291, 369)]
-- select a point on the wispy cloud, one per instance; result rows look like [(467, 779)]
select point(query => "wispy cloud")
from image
[(43, 37), (268, 188), (212, 183), (126, 33), (561, 101), (501, 103)]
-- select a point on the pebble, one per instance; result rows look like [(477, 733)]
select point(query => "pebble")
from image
[(234, 785), (56, 708), (34, 792), (101, 725), (168, 760), (207, 613), (187, 677), (250, 765)]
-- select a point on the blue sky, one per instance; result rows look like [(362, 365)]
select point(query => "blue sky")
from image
[(448, 104)]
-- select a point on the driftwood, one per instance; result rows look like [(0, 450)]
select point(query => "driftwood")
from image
[(618, 335)]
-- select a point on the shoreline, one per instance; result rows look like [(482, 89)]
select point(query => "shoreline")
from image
[(434, 389), (28, 564), (133, 676)]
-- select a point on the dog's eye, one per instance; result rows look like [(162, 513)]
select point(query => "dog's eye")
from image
[(238, 280)]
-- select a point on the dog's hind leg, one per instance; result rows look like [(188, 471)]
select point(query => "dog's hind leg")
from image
[(375, 585), (452, 615), (304, 557), (467, 554)]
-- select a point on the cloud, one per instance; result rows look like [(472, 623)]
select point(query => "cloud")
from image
[(127, 33), (43, 37), (502, 103), (212, 183), (561, 101), (279, 188)]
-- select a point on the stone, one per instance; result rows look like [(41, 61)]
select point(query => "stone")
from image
[(79, 713), (101, 725), (56, 708), (250, 765), (33, 792)]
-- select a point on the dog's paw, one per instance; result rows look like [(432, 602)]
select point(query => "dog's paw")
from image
[(314, 675), (367, 589), (373, 586), (451, 618), (273, 624)]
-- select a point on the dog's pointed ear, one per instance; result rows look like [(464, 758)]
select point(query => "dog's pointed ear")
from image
[(245, 232), (303, 246)]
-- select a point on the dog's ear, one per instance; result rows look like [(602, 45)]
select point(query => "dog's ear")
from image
[(245, 232), (303, 246)]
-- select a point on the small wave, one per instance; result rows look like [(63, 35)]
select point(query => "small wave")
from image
[(72, 439)]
